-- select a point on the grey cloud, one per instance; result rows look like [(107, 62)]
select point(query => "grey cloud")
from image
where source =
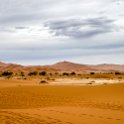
[(81, 28), (15, 19), (16, 11), (12, 29), (76, 28), (7, 29), (21, 28)]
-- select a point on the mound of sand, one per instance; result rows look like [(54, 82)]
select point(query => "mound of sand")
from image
[(62, 104)]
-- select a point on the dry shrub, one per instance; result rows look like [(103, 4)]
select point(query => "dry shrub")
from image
[(43, 82)]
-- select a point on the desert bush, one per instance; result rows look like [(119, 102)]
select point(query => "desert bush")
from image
[(22, 74), (43, 82), (92, 73), (65, 74), (104, 83), (91, 82), (56, 73), (117, 73), (119, 77), (72, 73), (34, 73), (53, 79), (50, 74), (48, 78), (43, 73), (7, 73)]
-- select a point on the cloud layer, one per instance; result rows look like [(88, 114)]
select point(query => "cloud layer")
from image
[(43, 32), (81, 28)]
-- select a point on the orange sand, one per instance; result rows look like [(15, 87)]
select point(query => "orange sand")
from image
[(21, 104)]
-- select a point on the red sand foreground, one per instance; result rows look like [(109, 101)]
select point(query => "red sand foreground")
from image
[(101, 104)]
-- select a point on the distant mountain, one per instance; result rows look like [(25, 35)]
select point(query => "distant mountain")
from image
[(10, 67), (65, 65), (61, 66), (21, 68), (108, 67), (2, 64)]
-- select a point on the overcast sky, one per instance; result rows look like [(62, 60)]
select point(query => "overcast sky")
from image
[(47, 31)]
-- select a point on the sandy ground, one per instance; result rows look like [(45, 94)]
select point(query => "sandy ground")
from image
[(74, 81), (60, 81), (31, 103)]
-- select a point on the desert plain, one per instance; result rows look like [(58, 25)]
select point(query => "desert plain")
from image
[(22, 102), (61, 98)]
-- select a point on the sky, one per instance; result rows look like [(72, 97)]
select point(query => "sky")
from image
[(40, 32)]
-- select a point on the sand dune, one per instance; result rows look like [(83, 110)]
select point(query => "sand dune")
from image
[(62, 66), (62, 115), (62, 104)]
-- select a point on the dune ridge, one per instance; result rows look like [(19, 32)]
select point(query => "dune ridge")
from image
[(64, 66), (62, 104)]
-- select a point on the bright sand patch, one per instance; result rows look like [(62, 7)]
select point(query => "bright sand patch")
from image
[(102, 104), (59, 81)]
